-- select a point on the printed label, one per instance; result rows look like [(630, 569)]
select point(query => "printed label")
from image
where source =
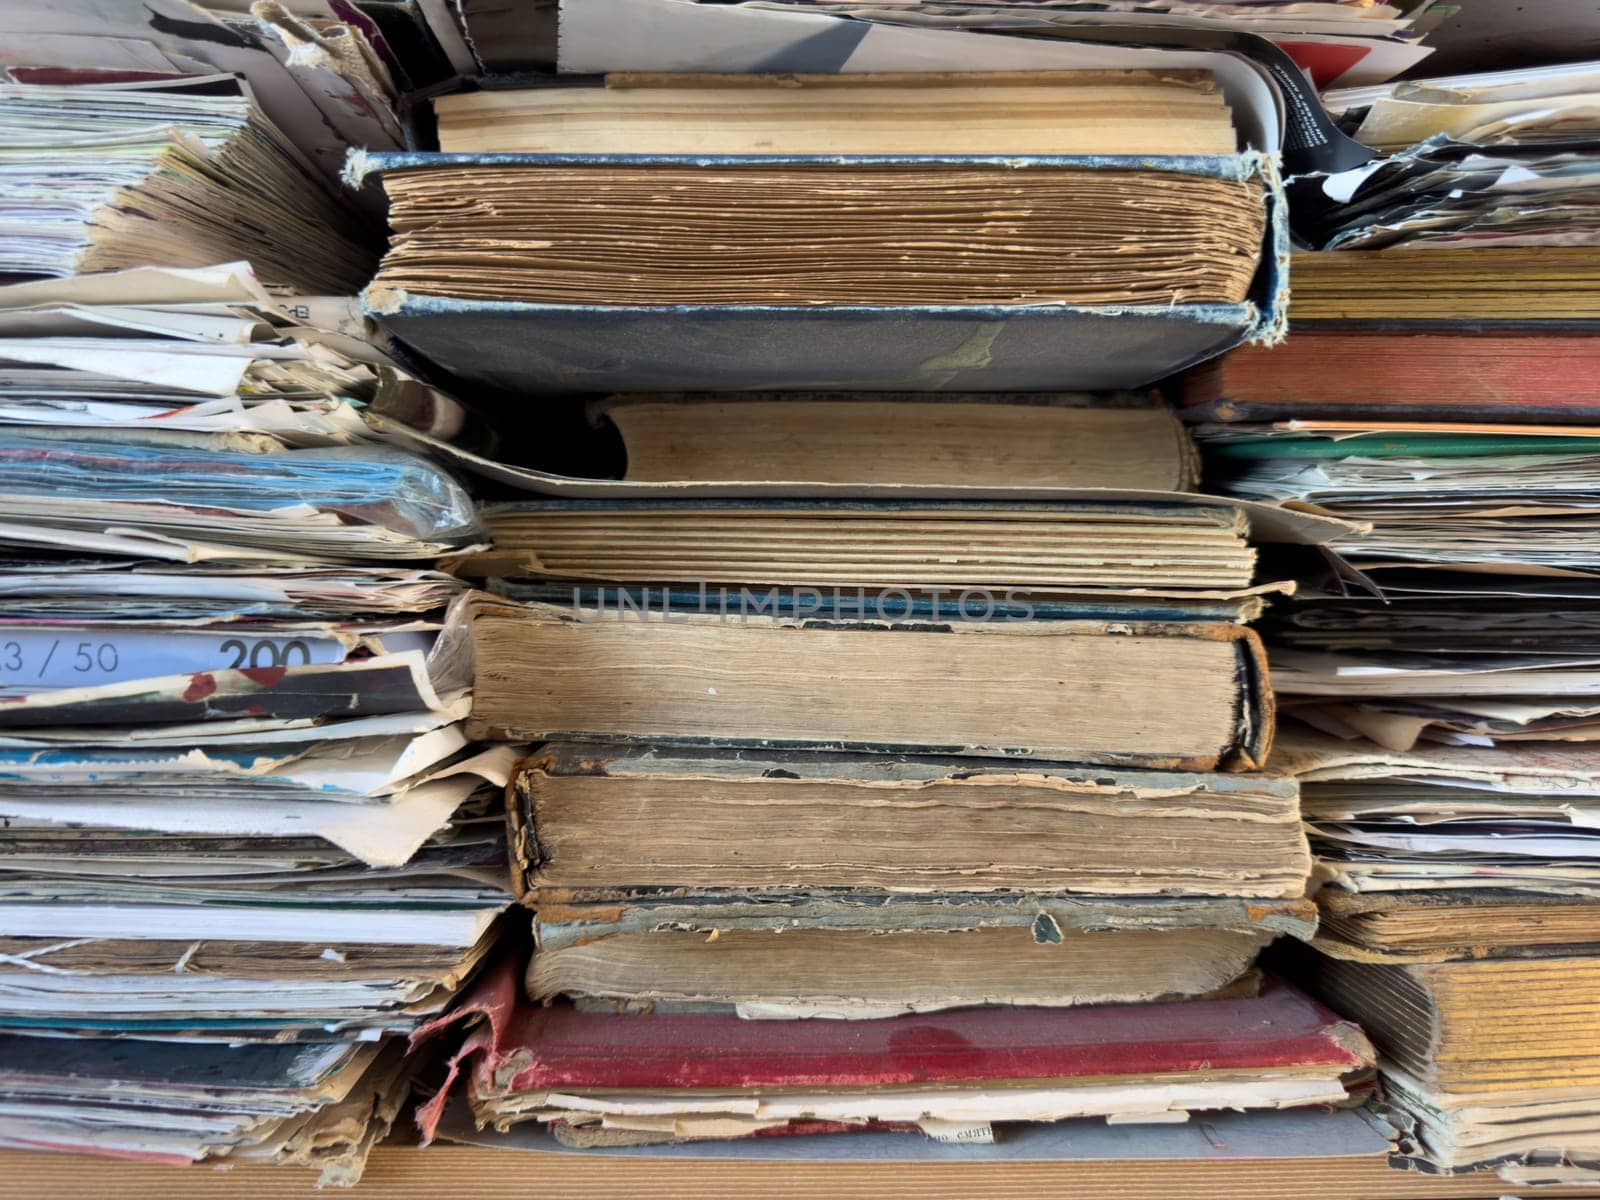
[(36, 660)]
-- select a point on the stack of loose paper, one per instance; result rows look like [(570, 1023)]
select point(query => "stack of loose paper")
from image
[(1474, 675), (1442, 835), (316, 1104), (1504, 159), (176, 172), (238, 804), (187, 501), (1490, 534), (331, 74), (1447, 663), (206, 351), (1480, 627), (1507, 499)]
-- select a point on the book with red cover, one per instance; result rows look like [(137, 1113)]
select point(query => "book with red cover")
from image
[(523, 1048), (1460, 375)]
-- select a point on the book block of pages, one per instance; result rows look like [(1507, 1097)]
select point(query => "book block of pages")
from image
[(1185, 696)]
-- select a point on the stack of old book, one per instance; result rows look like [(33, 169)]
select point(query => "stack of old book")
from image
[(1441, 677), (246, 844), (863, 709), (847, 758)]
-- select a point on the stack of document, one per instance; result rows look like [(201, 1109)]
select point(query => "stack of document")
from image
[(1441, 676), (331, 74), (1428, 845), (1507, 498), (315, 1104), (239, 806), (208, 351), (1463, 675), (1494, 160), (1489, 532), (182, 172)]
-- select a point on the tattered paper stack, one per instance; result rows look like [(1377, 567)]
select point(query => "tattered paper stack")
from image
[(1440, 680), (239, 805), (249, 813), (329, 74), (180, 172), (247, 846), (211, 350), (1504, 158), (1466, 615)]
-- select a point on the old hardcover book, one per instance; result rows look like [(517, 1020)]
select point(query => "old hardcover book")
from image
[(1510, 286), (1485, 1062), (1455, 923), (1188, 696), (1186, 543), (695, 1075), (591, 817), (849, 954), (1482, 1027), (853, 234), (1442, 376), (890, 272), (990, 112), (1013, 440)]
